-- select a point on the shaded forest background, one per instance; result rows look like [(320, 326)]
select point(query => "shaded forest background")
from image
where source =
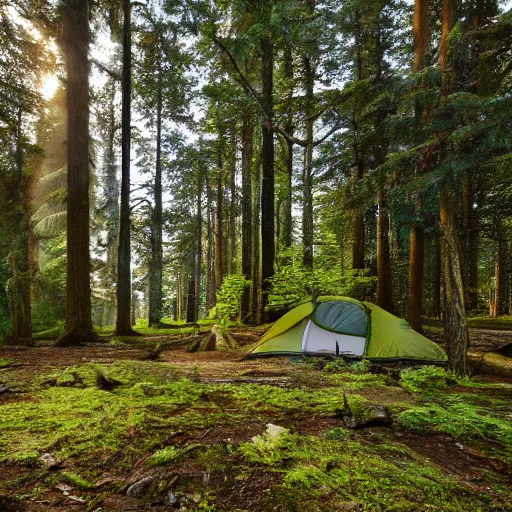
[(277, 149)]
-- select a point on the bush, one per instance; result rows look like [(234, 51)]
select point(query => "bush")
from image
[(427, 378), (229, 298)]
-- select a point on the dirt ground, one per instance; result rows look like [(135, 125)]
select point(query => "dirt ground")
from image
[(466, 464)]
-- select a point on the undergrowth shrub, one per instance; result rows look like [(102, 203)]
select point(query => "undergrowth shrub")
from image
[(425, 379), (229, 297)]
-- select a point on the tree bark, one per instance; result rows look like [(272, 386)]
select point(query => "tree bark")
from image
[(210, 271), (219, 221), (416, 240), (156, 264), (78, 288), (123, 322), (456, 330), (502, 301), (112, 210), (199, 245), (247, 153), (307, 182), (267, 161), (358, 248), (231, 256), (288, 205), (436, 277), (256, 249)]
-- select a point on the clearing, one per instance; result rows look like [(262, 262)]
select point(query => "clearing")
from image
[(114, 427)]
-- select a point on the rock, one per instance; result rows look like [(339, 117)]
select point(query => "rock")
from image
[(141, 487), (48, 461), (4, 388), (359, 412)]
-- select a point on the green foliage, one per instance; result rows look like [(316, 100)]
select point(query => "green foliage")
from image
[(292, 284), (4, 362), (427, 378), (460, 417), (229, 298)]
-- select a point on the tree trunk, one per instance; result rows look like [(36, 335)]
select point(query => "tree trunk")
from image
[(416, 240), (155, 267), (456, 330), (358, 248), (123, 323), (256, 249), (502, 301), (219, 222), (436, 277), (267, 161), (416, 257), (247, 153), (179, 295), (288, 205), (210, 272), (199, 246), (307, 182), (78, 288), (231, 256), (384, 283), (191, 294), (112, 211)]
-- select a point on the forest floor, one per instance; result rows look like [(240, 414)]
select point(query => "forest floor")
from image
[(114, 427)]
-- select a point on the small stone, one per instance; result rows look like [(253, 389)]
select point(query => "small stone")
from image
[(141, 487), (459, 446), (64, 488), (48, 461)]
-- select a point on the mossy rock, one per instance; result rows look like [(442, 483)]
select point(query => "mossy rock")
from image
[(359, 412)]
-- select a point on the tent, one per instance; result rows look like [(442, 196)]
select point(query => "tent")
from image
[(345, 327)]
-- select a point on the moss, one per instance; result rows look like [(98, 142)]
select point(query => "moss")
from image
[(4, 362), (164, 456), (76, 480), (363, 411)]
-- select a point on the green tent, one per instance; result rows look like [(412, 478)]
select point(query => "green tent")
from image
[(348, 328)]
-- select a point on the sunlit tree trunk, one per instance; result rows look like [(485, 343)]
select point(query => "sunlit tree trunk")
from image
[(123, 322), (78, 289), (502, 302)]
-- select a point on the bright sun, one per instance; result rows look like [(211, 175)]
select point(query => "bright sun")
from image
[(49, 85)]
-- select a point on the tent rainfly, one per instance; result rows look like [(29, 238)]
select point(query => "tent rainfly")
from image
[(345, 327)]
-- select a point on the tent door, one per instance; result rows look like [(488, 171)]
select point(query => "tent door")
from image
[(320, 341)]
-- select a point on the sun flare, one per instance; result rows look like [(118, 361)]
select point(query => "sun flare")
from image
[(49, 86)]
